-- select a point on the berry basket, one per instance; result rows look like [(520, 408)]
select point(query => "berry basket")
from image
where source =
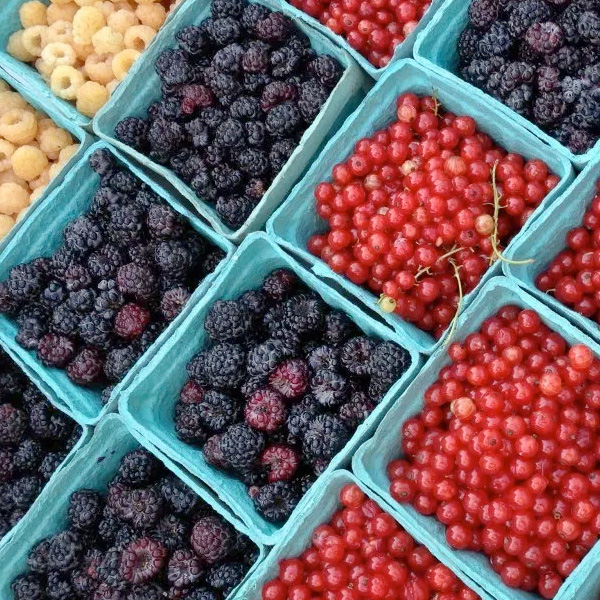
[(436, 48), (297, 220), (27, 74), (50, 109), (144, 87), (304, 523), (93, 467), (36, 238), (404, 50), (371, 460), (163, 377), (546, 239)]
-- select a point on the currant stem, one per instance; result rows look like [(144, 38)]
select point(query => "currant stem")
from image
[(454, 323)]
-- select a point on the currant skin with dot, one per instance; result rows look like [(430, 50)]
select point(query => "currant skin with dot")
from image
[(505, 452), (412, 210), (362, 553), (573, 276)]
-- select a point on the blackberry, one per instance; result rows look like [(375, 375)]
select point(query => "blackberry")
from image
[(212, 261), (323, 357), (276, 501), (329, 388), (172, 257), (28, 456), (496, 41), (193, 40), (213, 116), (48, 423), (105, 262), (180, 497), (142, 560), (106, 395), (549, 108), (145, 505), (304, 314), (356, 354), (225, 364), (212, 452), (124, 182), (230, 134), (228, 321), (274, 28), (171, 531), (198, 133), (313, 96), (290, 378), (264, 358), (119, 361), (234, 210), (173, 302), (195, 367), (103, 200), (138, 468), (265, 410), (86, 367), (338, 328), (567, 59), (254, 301), (544, 38), (515, 74), (226, 577), (50, 464), (126, 224), (169, 108), (285, 61), (24, 283), (253, 162), (187, 164), (241, 446), (52, 295), (354, 412), (58, 587), (37, 559), (184, 568), (145, 591), (203, 185), (279, 284), (55, 350), (64, 551), (256, 135), (588, 26), (165, 136), (136, 280), (388, 361), (301, 415), (173, 67), (82, 235), (253, 83), (217, 411), (195, 96), (520, 99), (96, 328), (581, 141), (28, 587), (468, 43), (480, 70), (256, 57), (325, 437), (226, 177), (133, 131), (108, 525), (283, 120), (101, 161), (252, 15), (525, 14), (246, 108), (586, 114), (224, 31), (326, 69), (290, 341), (8, 304), (277, 92), (77, 277), (228, 59), (280, 152), (188, 424)]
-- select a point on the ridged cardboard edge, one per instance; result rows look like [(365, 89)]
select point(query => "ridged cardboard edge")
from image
[(50, 515), (344, 98), (15, 253), (444, 29), (371, 459), (226, 487), (324, 506), (406, 75)]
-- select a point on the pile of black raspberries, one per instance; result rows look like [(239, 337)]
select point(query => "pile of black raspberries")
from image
[(149, 538), (124, 270), (281, 389), (237, 94), (541, 58), (35, 438)]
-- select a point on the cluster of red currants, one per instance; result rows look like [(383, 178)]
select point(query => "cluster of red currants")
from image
[(372, 27), (363, 554), (420, 210), (573, 277), (505, 451)]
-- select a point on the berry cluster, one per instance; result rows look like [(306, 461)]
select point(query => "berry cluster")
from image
[(363, 553), (573, 276), (237, 94), (419, 211), (372, 27), (124, 270), (541, 58), (282, 388), (505, 452), (34, 439), (149, 538)]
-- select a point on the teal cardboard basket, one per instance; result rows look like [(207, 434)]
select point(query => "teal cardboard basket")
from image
[(299, 539), (147, 405), (48, 108), (436, 48), (371, 460), (404, 50), (42, 234), (297, 220), (93, 467), (546, 238), (142, 87), (29, 76)]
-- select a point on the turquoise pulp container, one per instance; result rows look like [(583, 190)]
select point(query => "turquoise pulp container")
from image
[(78, 134), (93, 467), (436, 48), (372, 458), (547, 237), (42, 234), (142, 87), (324, 506), (297, 220), (147, 405)]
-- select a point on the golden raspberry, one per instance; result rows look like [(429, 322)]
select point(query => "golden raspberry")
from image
[(65, 81), (33, 13), (18, 126), (13, 198), (28, 162), (91, 97)]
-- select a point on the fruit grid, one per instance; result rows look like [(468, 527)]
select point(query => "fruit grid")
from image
[(390, 390)]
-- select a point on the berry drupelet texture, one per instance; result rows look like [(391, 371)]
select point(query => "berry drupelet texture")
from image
[(238, 93), (280, 389), (125, 269), (148, 536)]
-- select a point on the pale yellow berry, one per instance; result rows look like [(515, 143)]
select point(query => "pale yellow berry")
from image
[(4, 87), (60, 2), (42, 180), (23, 212), (61, 31), (111, 86), (18, 126), (67, 153), (43, 68), (91, 97), (146, 1), (35, 195), (6, 224), (6, 150), (13, 198), (85, 2), (58, 53), (83, 50), (139, 37), (107, 7), (65, 81), (87, 20), (55, 169), (43, 124), (121, 20), (28, 162), (10, 177), (53, 140), (107, 41), (33, 13), (35, 38), (98, 67), (153, 15), (10, 100), (16, 49), (122, 62)]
